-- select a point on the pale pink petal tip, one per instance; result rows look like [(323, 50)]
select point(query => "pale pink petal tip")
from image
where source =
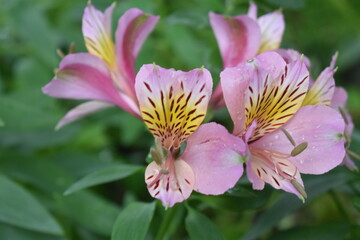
[(252, 12), (272, 27), (82, 111), (172, 185), (216, 158)]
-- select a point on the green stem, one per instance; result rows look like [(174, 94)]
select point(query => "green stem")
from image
[(170, 222)]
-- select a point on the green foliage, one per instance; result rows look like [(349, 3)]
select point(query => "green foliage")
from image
[(105, 175), (200, 227), (133, 222), (98, 161), (20, 208)]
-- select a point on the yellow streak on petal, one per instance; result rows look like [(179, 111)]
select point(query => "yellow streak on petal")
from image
[(272, 106), (103, 48), (173, 117)]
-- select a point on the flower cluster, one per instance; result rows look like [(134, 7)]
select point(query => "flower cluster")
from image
[(285, 123)]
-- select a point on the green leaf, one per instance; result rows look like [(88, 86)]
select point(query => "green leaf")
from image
[(89, 210), (356, 202), (15, 233), (328, 231), (289, 203), (20, 208), (200, 227), (133, 222), (104, 175), (1, 123)]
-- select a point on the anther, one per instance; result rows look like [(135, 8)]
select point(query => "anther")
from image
[(60, 53), (353, 155), (343, 114), (299, 149), (300, 189), (72, 48), (155, 67), (156, 156), (163, 171), (289, 137)]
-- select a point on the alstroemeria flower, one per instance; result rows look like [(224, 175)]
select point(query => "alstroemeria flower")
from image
[(173, 104), (264, 97), (243, 37), (106, 74), (324, 92)]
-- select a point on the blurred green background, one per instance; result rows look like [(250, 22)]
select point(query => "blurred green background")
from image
[(37, 163)]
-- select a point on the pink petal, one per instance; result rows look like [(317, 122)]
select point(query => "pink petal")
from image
[(252, 12), (173, 103), (272, 100), (85, 76), (238, 37), (322, 128), (272, 27), (322, 90), (216, 158), (339, 98), (174, 186), (347, 162), (235, 83), (291, 55), (279, 173), (133, 28), (81, 111), (96, 27)]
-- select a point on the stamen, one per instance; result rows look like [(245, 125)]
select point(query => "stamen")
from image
[(300, 189), (343, 114), (299, 149), (289, 137), (156, 156), (60, 53), (72, 48), (353, 155), (155, 67), (163, 171)]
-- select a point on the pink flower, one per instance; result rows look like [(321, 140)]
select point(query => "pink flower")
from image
[(173, 104), (243, 37), (106, 74), (264, 97), (324, 92)]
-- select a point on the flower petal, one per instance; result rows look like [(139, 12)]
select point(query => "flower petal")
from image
[(81, 111), (339, 98), (238, 37), (133, 28), (252, 12), (322, 128), (173, 103), (216, 158), (235, 84), (272, 100), (347, 162), (322, 91), (85, 76), (96, 27), (173, 186), (273, 168), (272, 27), (290, 55)]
